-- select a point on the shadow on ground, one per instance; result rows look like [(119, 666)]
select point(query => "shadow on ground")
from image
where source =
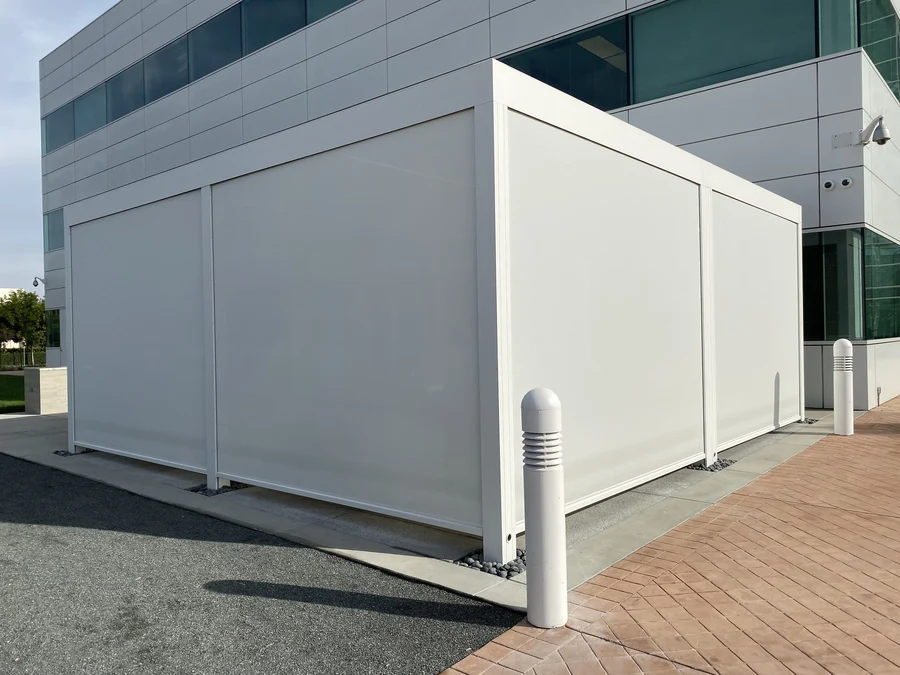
[(36, 495), (416, 609), (97, 580)]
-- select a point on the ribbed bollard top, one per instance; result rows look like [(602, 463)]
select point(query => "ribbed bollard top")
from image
[(542, 429), (843, 356)]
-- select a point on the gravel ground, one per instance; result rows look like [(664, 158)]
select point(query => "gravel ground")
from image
[(94, 580), (718, 465), (513, 568)]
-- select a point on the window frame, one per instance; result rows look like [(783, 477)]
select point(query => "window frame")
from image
[(62, 232), (57, 322), (84, 97), (120, 76), (246, 12), (158, 54), (196, 33)]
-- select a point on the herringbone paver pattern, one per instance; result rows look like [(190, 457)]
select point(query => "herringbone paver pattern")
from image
[(796, 573)]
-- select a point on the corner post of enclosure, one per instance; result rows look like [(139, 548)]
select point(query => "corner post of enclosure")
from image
[(708, 325), (68, 342), (497, 409), (800, 313), (209, 338)]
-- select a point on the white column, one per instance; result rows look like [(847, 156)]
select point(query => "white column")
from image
[(708, 326), (498, 435), (209, 338)]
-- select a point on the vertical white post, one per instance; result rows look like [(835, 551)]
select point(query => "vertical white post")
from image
[(801, 346), (68, 338), (209, 338), (545, 514), (843, 388), (708, 326), (497, 405)]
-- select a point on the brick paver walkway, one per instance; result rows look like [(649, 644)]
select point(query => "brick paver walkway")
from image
[(796, 573)]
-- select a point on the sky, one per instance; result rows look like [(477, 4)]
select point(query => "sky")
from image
[(29, 30)]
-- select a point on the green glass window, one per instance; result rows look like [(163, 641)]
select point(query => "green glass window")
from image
[(58, 128), (266, 21), (842, 270), (833, 295), (838, 24), (215, 44), (90, 111), (851, 286), (318, 9), (591, 65), (166, 70), (689, 44), (125, 92), (53, 329), (882, 287), (879, 32), (53, 231)]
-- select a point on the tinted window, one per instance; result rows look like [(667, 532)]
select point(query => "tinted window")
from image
[(679, 46), (879, 30), (90, 111), (53, 231), (216, 43), (882, 287), (813, 288), (833, 306), (266, 21), (59, 128), (842, 262), (591, 65), (125, 92), (53, 333), (316, 9), (166, 70), (837, 26)]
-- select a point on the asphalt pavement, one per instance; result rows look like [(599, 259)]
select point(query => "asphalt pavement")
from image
[(95, 580)]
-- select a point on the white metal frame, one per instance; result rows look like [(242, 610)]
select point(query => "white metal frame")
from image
[(492, 90), (69, 334), (213, 482), (707, 317), (498, 410)]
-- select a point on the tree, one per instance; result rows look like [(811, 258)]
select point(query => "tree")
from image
[(22, 319)]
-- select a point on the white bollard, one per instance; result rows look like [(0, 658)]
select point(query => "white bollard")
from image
[(843, 388), (545, 514)]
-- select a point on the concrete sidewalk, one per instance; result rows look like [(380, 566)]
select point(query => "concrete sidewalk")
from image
[(797, 572), (596, 537)]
